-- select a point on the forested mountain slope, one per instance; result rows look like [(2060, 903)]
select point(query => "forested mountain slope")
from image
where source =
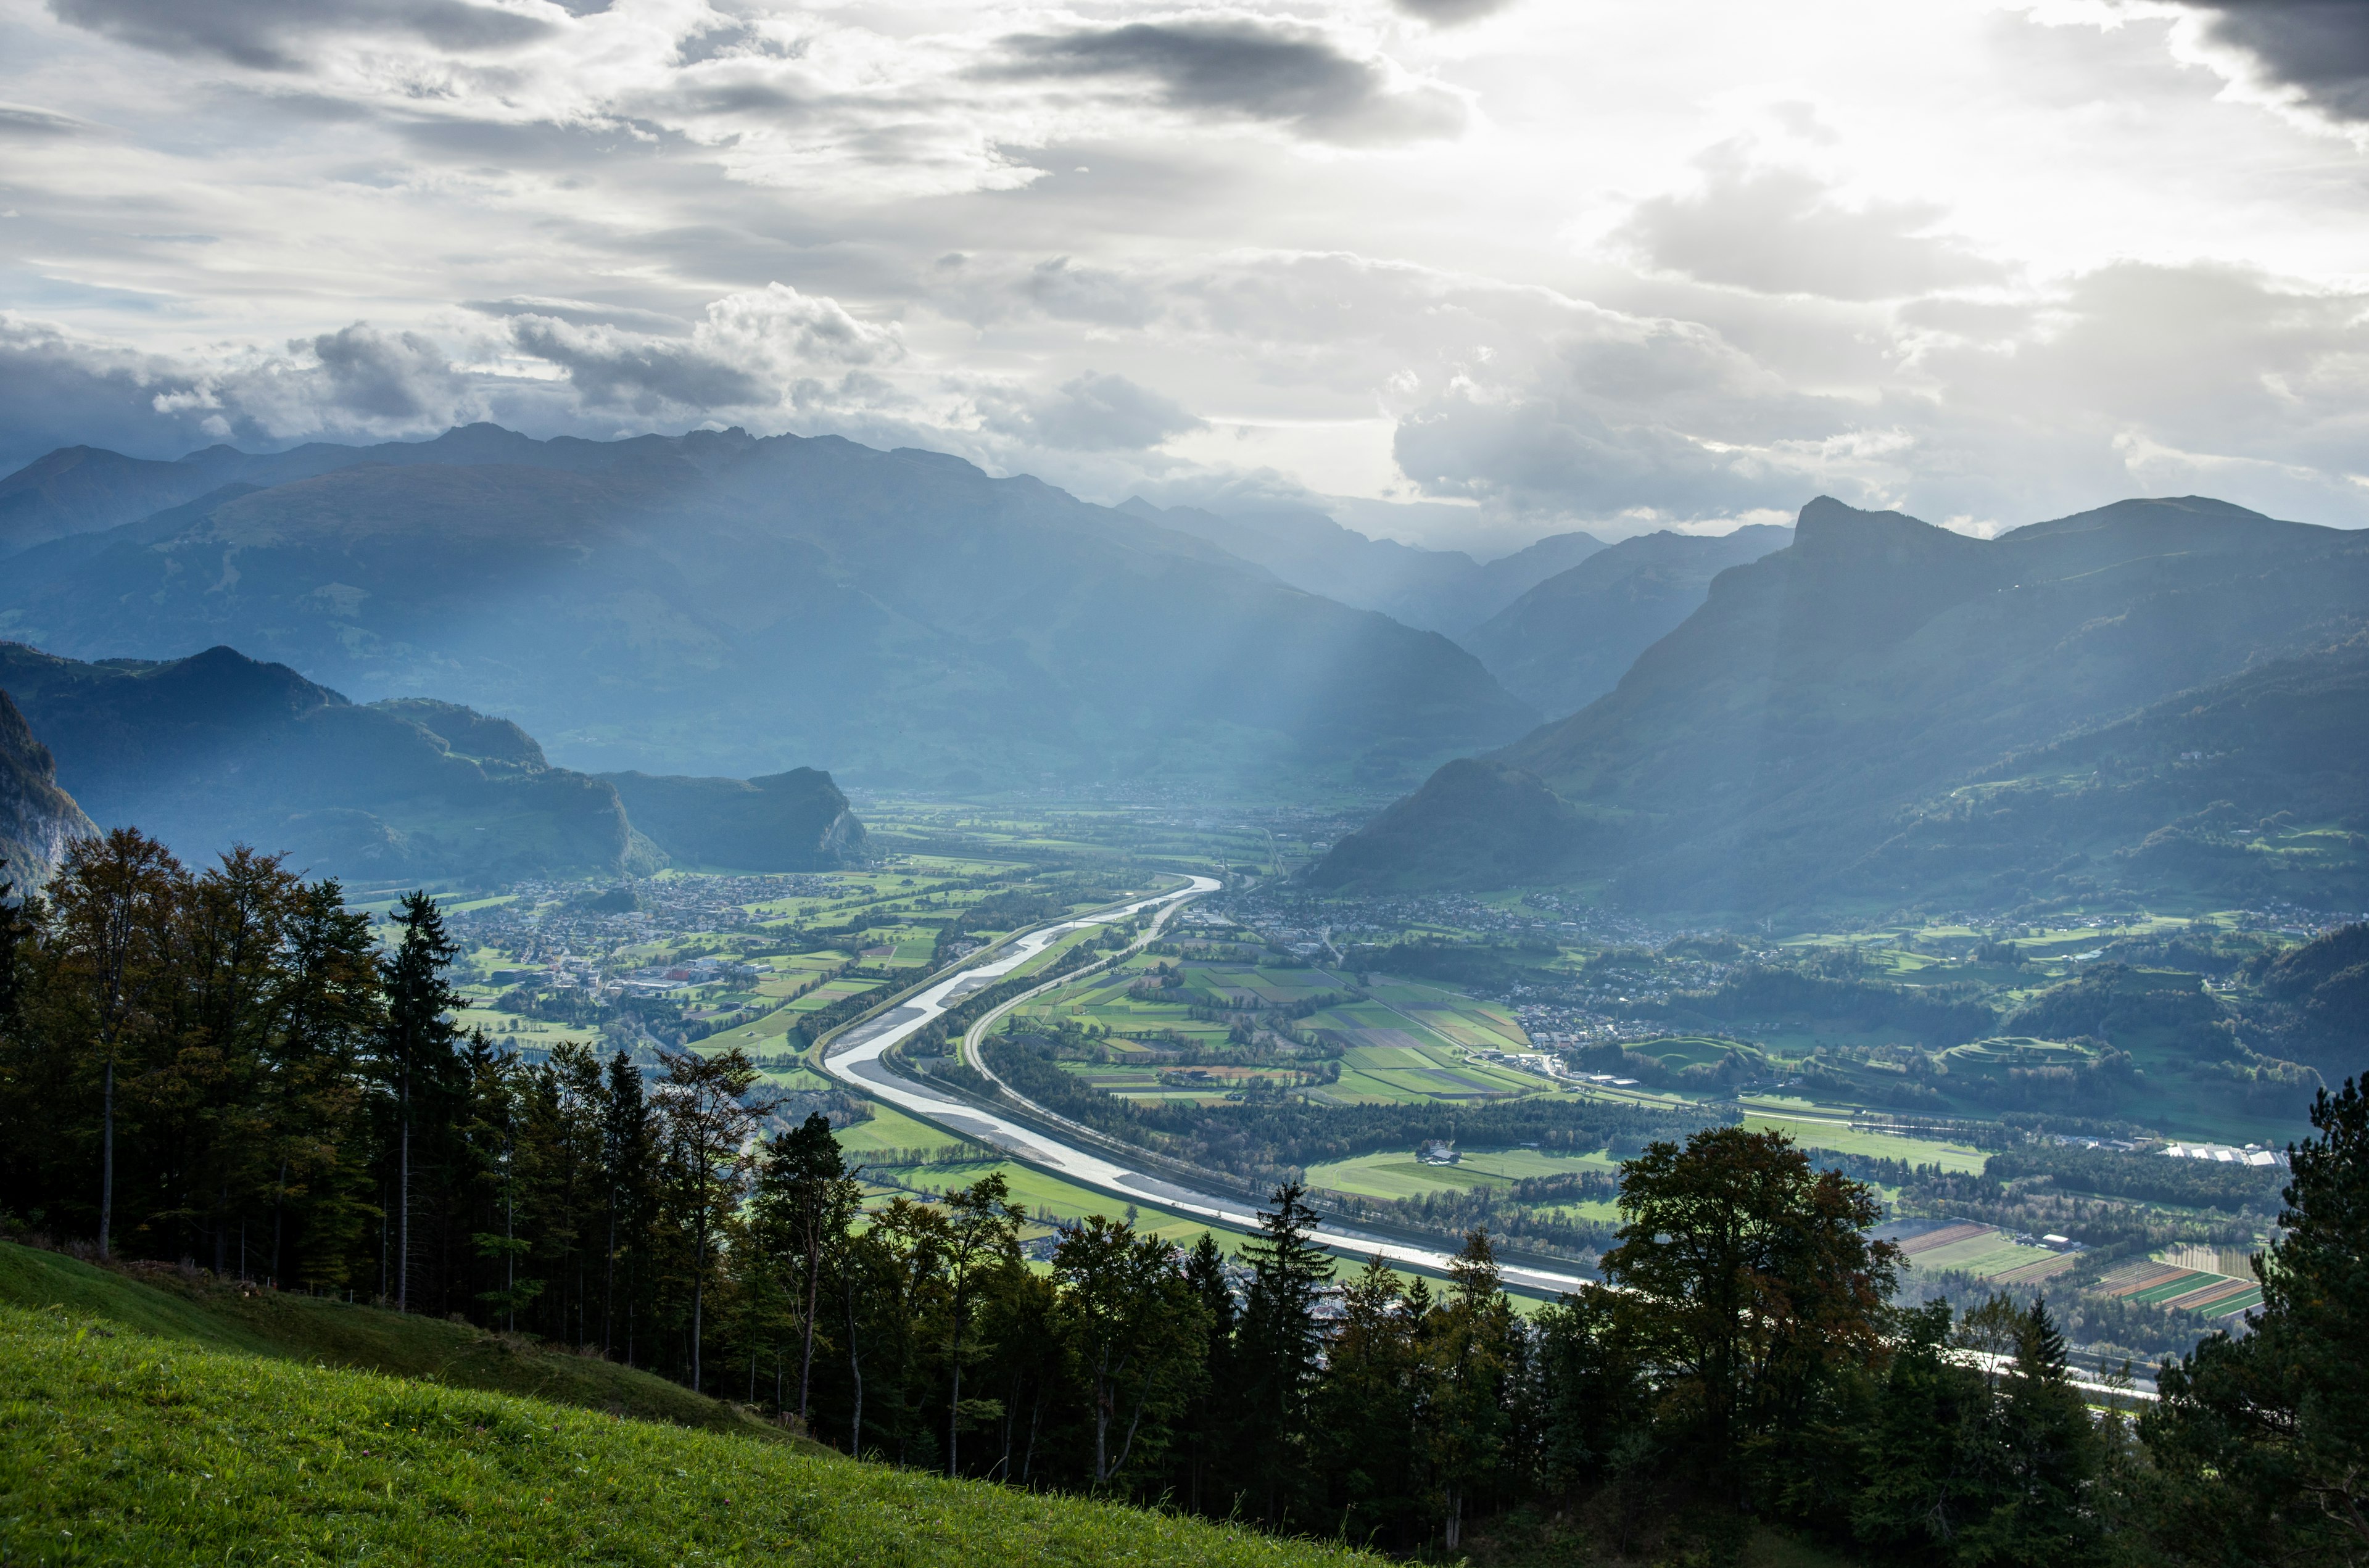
[(1820, 724), (716, 602), (217, 749)]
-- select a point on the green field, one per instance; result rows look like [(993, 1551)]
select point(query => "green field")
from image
[(121, 1447), (1989, 1255), (1813, 1133), (1396, 1175), (331, 1333)]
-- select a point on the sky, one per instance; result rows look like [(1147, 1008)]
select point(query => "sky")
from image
[(1465, 272)]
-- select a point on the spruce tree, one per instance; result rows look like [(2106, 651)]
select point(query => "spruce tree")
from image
[(1281, 1346), (2259, 1446), (417, 1058)]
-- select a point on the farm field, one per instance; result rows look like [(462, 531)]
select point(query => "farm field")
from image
[(1394, 1174), (1812, 1132), (2208, 1295), (1969, 1248), (1398, 1041)]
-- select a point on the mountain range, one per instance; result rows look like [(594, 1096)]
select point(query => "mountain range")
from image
[(2156, 698), (1569, 639), (1437, 591), (718, 603), (216, 749)]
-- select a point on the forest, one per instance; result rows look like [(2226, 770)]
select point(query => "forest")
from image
[(228, 1065)]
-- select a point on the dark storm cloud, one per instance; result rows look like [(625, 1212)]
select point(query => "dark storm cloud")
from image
[(2320, 47), (263, 33), (1452, 12), (1243, 68)]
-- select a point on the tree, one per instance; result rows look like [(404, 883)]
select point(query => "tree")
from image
[(1473, 1354), (703, 1100), (1206, 1422), (327, 1005), (1753, 1280), (1131, 1322), (626, 1156), (2259, 1447), (417, 1058), (803, 1200), (1594, 1394), (115, 899), (896, 1284), (1365, 1406), (1280, 1347), (982, 1247)]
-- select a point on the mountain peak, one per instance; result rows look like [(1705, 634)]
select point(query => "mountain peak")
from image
[(1826, 523)]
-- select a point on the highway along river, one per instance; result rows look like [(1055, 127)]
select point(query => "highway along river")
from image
[(1075, 1154)]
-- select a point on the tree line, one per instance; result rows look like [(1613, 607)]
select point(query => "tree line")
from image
[(229, 1064)]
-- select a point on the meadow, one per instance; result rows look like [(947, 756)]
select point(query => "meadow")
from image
[(124, 1447)]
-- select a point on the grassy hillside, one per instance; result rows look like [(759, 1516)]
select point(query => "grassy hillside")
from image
[(116, 1447), (332, 1334)]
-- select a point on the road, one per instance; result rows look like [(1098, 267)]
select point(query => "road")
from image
[(1077, 1155)]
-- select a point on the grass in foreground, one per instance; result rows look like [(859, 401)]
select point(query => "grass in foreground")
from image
[(331, 1333), (118, 1447)]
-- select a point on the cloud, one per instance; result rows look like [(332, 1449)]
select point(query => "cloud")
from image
[(262, 34), (24, 122), (757, 349), (400, 377), (2315, 51), (1781, 230), (1452, 12), (1091, 413), (60, 391), (1248, 69), (581, 313)]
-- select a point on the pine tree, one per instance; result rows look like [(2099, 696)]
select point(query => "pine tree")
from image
[(416, 1056), (626, 1155), (1280, 1349), (2259, 1446)]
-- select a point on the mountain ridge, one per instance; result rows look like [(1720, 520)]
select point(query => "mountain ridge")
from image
[(1765, 745), (741, 603)]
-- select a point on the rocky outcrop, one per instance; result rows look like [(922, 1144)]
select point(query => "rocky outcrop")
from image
[(793, 822), (37, 817)]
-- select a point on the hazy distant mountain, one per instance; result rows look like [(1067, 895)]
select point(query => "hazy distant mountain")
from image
[(1569, 640), (793, 822), (1439, 591), (37, 817), (1888, 711), (719, 603), (217, 749), (77, 491)]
